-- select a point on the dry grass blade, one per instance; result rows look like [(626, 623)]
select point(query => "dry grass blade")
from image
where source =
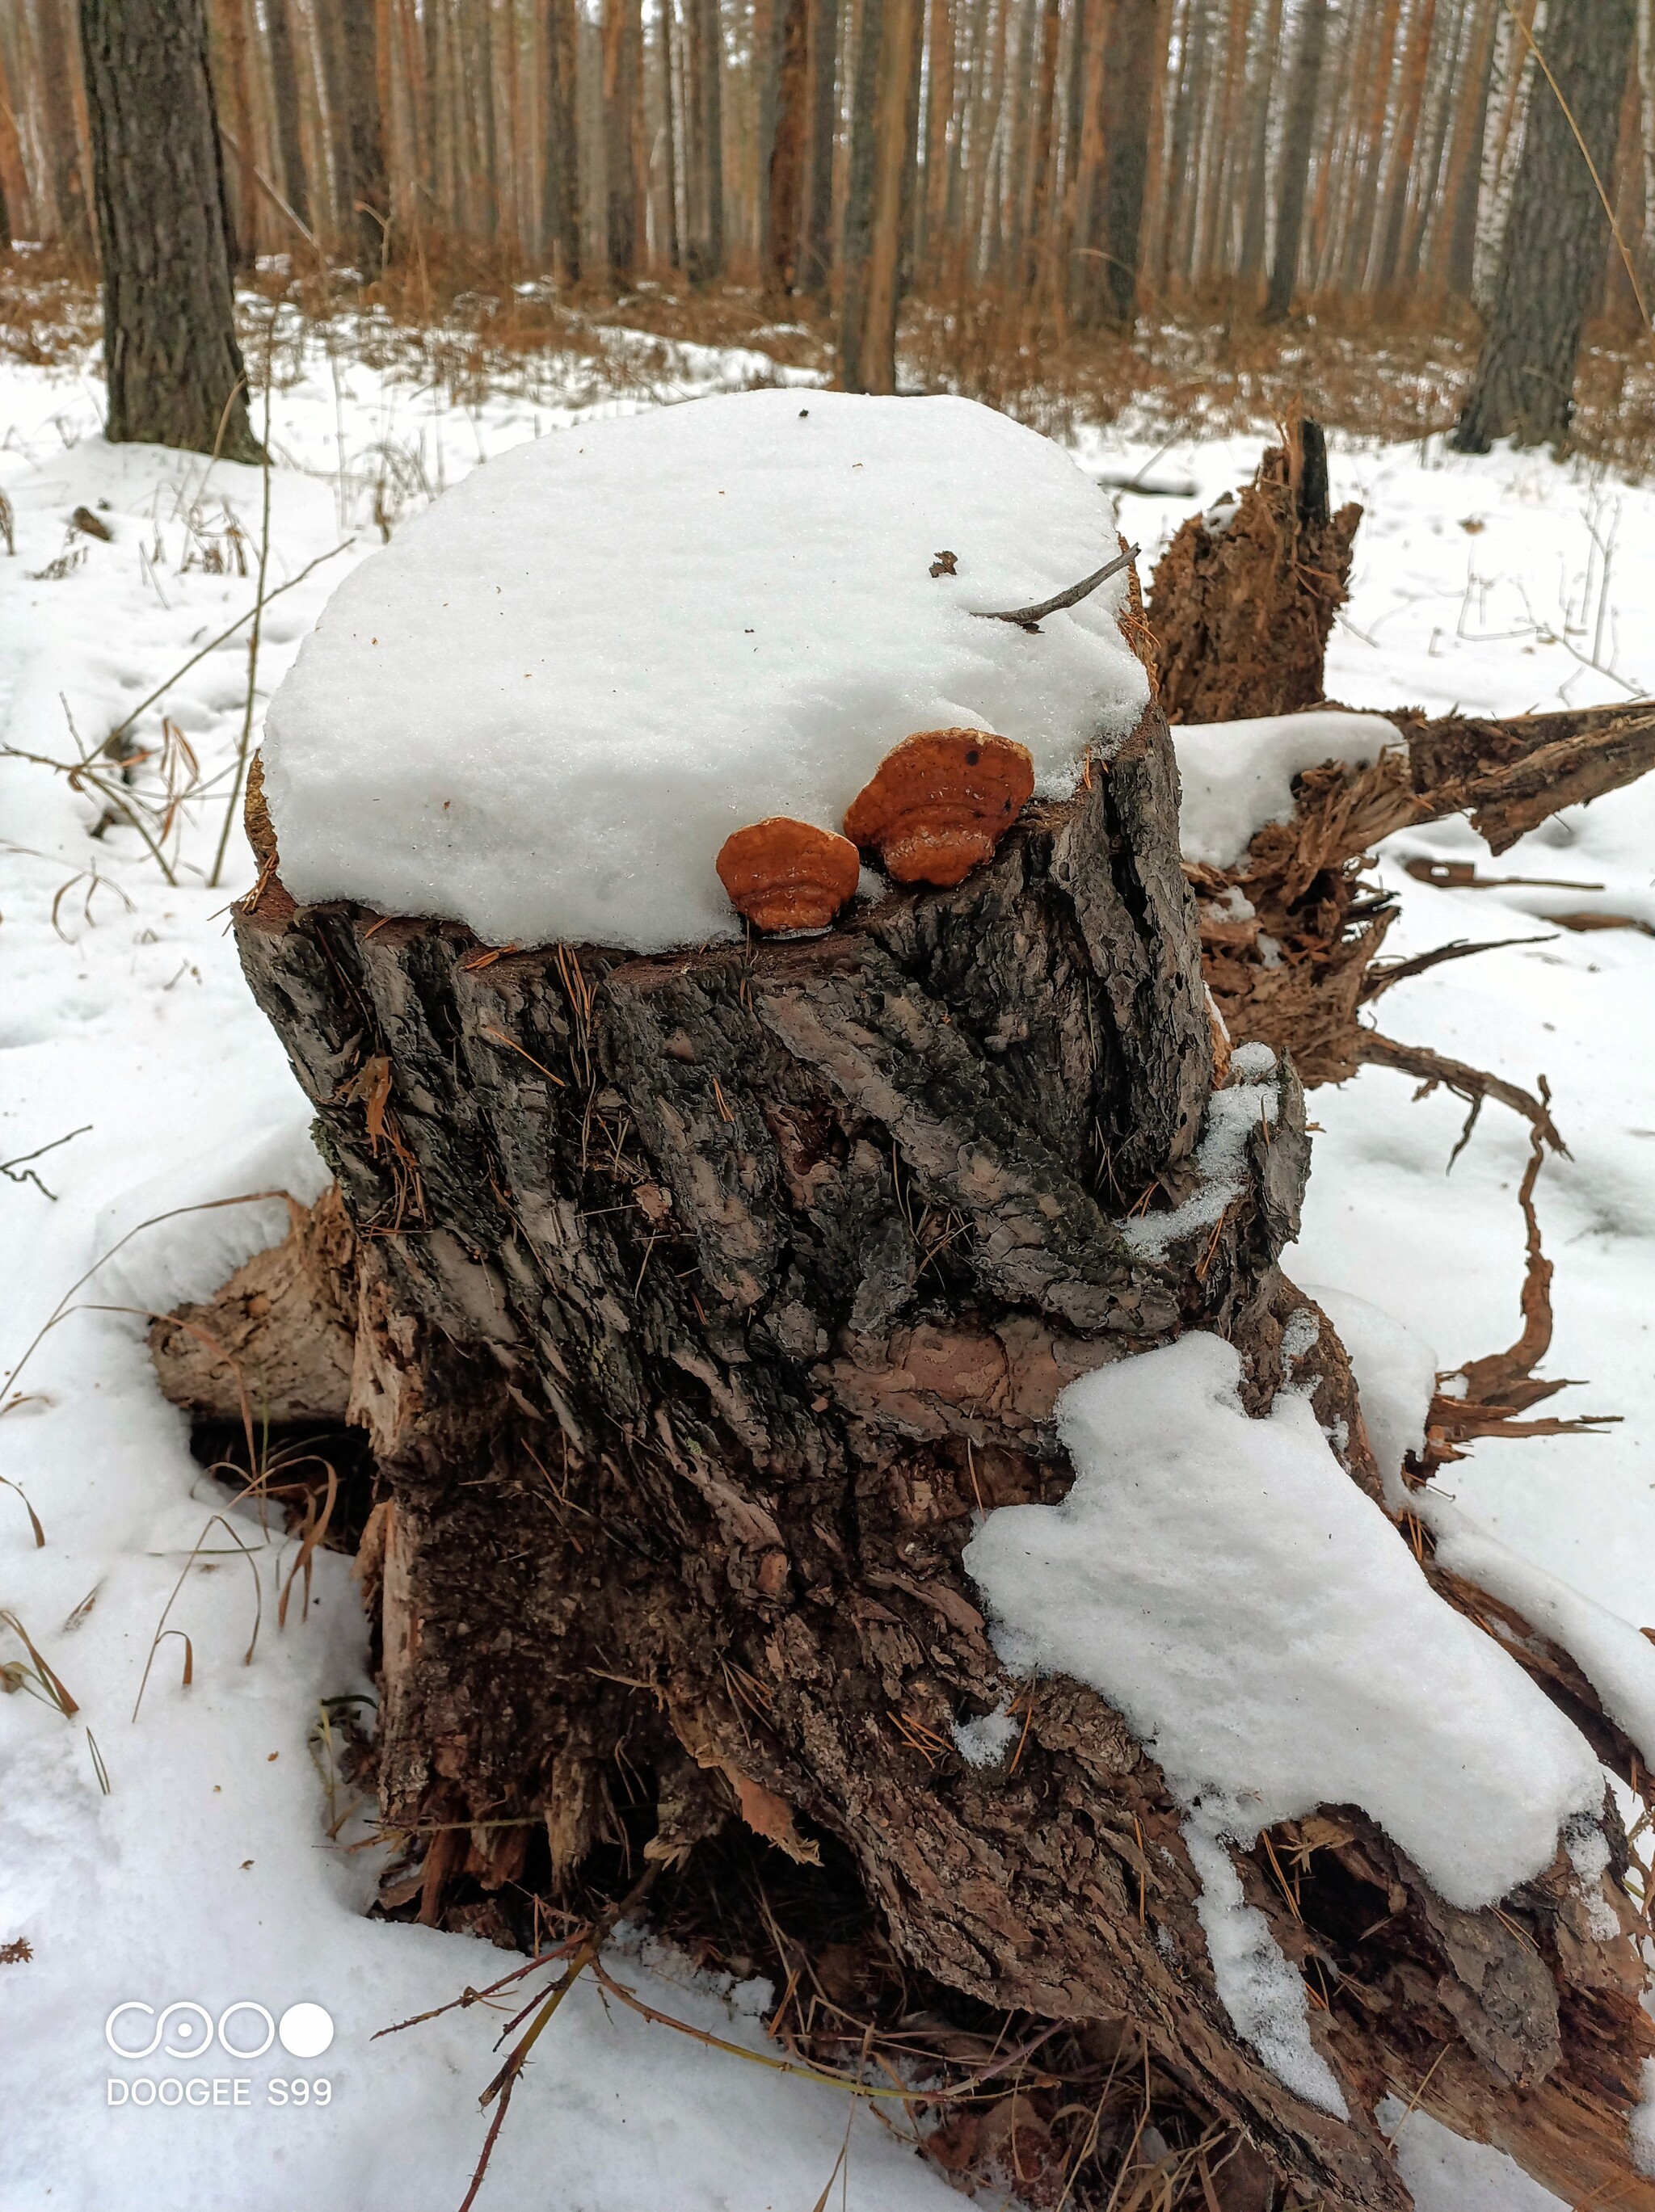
[(244, 741), (224, 637), (162, 1629), (6, 1483), (38, 1678), (312, 1533), (98, 1767)]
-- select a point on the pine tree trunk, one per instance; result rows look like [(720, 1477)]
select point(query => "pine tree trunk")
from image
[(705, 66), (939, 118), (1132, 60), (174, 371), (229, 24), (284, 83), (816, 254), (1255, 218), (787, 164), (1404, 138), (618, 152), (1556, 234), (1042, 131), (63, 137), (699, 1300), (1465, 188), (1293, 178), (560, 175), (672, 112)]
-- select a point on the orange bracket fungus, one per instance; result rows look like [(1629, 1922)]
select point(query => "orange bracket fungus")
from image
[(940, 802), (782, 874)]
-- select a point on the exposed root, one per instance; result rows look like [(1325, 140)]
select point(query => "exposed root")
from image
[(1474, 1084)]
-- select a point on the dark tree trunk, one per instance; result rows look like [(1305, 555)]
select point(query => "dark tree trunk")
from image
[(368, 213), (704, 38), (1292, 177), (620, 32), (699, 1301), (561, 217), (856, 235), (228, 32), (174, 370), (1041, 137), (284, 84), (1136, 37), (787, 164), (1466, 182), (671, 114), (817, 257), (1556, 234), (63, 137), (1254, 222)]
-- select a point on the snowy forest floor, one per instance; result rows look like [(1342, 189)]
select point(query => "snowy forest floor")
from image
[(176, 1851)]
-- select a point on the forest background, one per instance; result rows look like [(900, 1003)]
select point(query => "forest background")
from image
[(1097, 196)]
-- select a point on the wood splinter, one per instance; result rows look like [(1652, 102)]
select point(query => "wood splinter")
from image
[(940, 803), (782, 874)]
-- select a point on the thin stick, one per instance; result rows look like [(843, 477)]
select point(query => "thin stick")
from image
[(257, 631), (1027, 617)]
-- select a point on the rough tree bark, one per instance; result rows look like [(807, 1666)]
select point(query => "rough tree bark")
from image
[(1136, 35), (174, 371), (1556, 234), (816, 255), (786, 162), (284, 86), (560, 207), (701, 1297)]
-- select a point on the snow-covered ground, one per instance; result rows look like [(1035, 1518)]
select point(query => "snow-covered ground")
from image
[(202, 1876)]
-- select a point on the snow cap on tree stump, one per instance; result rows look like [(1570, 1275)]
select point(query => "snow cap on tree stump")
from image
[(546, 705)]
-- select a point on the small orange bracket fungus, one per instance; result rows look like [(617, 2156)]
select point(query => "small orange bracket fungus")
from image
[(782, 874), (940, 803)]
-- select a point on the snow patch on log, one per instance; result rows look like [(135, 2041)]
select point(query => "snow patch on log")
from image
[(1396, 1376), (1267, 1633), (1442, 2172), (1263, 1995), (545, 706), (1641, 2126), (1618, 1662), (1233, 1115), (1237, 777)]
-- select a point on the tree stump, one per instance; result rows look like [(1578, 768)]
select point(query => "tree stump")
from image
[(1242, 601), (702, 1298)]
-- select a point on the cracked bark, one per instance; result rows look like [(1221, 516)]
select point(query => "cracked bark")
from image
[(704, 1297)]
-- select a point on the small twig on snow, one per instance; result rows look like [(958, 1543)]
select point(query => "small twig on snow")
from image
[(1029, 617)]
